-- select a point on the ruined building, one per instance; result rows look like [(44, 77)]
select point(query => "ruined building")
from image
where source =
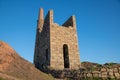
[(56, 46)]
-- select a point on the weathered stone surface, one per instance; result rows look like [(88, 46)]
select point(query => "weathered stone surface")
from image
[(80, 75), (56, 46), (117, 75), (95, 73), (119, 68), (103, 69), (111, 70), (115, 70), (100, 75), (89, 75), (110, 73), (111, 77), (104, 74)]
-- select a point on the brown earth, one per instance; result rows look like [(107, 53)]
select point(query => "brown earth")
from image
[(14, 67)]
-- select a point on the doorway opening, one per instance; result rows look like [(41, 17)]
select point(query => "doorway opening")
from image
[(66, 56)]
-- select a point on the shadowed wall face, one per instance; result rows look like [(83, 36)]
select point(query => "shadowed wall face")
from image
[(56, 46)]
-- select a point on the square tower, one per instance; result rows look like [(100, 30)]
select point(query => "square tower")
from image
[(56, 46)]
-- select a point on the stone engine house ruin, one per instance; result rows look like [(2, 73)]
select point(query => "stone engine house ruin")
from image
[(56, 46)]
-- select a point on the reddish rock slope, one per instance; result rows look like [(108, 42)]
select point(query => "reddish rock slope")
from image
[(14, 67)]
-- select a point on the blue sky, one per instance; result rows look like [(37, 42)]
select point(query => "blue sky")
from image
[(98, 26)]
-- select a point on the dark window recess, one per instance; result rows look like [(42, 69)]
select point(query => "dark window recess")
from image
[(66, 56), (47, 54)]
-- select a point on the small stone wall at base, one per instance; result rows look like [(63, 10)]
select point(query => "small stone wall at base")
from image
[(102, 74)]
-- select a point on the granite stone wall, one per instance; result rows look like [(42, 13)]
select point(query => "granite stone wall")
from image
[(61, 35), (42, 44), (81, 74), (50, 41)]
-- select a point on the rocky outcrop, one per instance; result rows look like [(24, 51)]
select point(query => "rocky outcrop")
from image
[(14, 67)]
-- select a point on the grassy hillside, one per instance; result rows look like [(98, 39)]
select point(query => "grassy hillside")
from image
[(14, 67)]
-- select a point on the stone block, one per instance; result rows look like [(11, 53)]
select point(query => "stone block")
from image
[(95, 72), (110, 73), (104, 74), (89, 75), (95, 75), (103, 69), (117, 75), (111, 70), (99, 75), (111, 77), (115, 70), (119, 68)]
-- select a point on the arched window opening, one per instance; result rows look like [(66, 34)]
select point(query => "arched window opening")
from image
[(66, 56)]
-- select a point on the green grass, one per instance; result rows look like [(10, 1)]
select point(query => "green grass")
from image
[(1, 78), (48, 76)]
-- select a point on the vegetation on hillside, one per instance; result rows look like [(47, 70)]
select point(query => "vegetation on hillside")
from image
[(1, 78), (14, 67), (90, 66)]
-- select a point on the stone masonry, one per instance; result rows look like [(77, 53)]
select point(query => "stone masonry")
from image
[(104, 73), (56, 46)]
